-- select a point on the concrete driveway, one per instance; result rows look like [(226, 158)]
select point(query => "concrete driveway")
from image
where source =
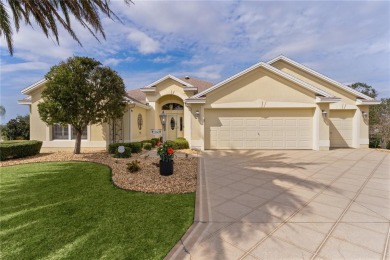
[(290, 205)]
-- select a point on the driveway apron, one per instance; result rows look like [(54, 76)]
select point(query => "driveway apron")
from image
[(292, 204)]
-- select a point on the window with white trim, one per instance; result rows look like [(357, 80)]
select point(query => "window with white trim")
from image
[(67, 132)]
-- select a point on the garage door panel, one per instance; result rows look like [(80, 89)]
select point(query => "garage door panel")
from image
[(340, 128), (274, 130)]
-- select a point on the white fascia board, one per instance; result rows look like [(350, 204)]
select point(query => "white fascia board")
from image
[(367, 102), (321, 76), (190, 89), (269, 68), (142, 105), (148, 90), (168, 77), (24, 102), (195, 101), (32, 87), (327, 100)]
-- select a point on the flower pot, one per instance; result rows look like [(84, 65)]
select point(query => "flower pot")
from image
[(166, 168)]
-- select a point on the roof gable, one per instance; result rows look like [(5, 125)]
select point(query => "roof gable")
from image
[(319, 75), (168, 77), (33, 87), (271, 69)]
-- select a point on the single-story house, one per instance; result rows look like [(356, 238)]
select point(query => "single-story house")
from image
[(279, 104)]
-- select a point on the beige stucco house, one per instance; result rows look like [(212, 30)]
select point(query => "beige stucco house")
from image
[(279, 104)]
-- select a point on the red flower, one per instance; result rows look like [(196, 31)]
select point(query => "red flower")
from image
[(170, 151), (158, 144)]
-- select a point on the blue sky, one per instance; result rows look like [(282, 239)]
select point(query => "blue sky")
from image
[(347, 41)]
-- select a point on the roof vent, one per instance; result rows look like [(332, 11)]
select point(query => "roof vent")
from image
[(187, 77)]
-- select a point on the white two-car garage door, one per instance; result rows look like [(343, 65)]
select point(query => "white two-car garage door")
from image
[(259, 128)]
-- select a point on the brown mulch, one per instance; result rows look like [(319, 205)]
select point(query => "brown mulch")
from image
[(148, 179)]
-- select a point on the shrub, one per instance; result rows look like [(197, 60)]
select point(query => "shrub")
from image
[(125, 154), (181, 143), (19, 149), (147, 142), (135, 147), (171, 144), (148, 146), (155, 140), (17, 129), (133, 166)]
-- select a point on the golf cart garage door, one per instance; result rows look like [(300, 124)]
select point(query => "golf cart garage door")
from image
[(258, 128), (340, 128)]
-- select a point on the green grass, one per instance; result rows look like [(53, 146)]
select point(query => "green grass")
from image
[(71, 210)]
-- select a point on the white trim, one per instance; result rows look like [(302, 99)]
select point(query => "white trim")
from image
[(190, 89), (327, 100), (316, 128), (195, 101), (33, 86), (321, 76), (142, 105), (367, 102), (148, 90), (169, 76), (260, 104), (269, 68), (23, 102)]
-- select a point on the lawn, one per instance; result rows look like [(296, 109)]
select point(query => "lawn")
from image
[(72, 210)]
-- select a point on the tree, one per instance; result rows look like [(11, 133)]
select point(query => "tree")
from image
[(17, 129), (49, 13), (2, 110), (365, 89), (80, 92), (380, 122)]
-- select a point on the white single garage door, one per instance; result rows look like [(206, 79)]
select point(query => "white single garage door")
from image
[(259, 128), (340, 128)]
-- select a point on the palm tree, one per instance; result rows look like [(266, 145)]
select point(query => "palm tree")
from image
[(2, 111), (49, 13)]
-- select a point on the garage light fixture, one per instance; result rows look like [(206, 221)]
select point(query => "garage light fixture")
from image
[(364, 113), (324, 114), (197, 113)]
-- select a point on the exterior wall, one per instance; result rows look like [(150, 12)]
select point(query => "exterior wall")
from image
[(168, 91), (197, 127), (321, 128), (37, 126), (346, 98), (262, 89), (136, 133), (364, 127)]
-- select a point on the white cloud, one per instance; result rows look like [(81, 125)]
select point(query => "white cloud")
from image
[(35, 65), (164, 59), (144, 43), (116, 61)]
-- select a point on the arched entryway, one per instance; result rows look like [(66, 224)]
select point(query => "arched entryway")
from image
[(173, 107)]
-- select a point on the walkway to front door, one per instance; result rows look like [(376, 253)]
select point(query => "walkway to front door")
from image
[(290, 205)]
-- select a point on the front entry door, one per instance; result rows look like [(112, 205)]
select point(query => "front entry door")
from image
[(172, 127)]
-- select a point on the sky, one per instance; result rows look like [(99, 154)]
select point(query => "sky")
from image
[(348, 41)]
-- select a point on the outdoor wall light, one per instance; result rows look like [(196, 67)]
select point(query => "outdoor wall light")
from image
[(163, 120), (324, 114), (197, 113), (364, 113)]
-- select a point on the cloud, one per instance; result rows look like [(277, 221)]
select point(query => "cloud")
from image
[(7, 68), (164, 59), (116, 61), (144, 43)]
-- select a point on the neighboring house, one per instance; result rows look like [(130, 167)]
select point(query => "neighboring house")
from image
[(280, 104)]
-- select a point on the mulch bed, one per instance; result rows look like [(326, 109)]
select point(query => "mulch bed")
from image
[(148, 179)]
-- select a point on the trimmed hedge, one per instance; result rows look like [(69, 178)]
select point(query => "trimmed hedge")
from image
[(125, 154), (135, 147), (19, 149), (178, 144), (181, 143)]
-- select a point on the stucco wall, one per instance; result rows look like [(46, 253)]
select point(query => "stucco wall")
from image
[(346, 97), (260, 85), (37, 126), (136, 133)]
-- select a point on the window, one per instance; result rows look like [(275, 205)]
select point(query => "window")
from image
[(181, 123), (172, 106), (60, 132), (66, 133), (173, 123)]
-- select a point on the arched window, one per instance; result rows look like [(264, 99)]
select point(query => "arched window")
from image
[(172, 106)]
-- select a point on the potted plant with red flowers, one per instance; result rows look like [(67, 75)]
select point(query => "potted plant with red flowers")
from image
[(166, 153)]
